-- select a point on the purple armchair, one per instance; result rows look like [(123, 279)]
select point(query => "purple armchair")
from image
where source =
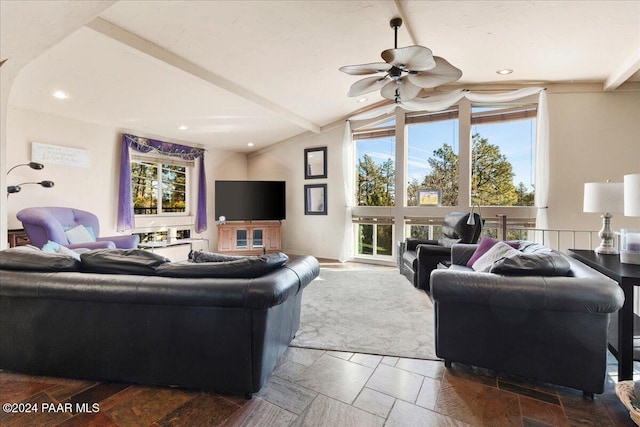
[(44, 224)]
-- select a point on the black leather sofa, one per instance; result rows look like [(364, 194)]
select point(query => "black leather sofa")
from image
[(218, 334), (419, 257), (551, 328)]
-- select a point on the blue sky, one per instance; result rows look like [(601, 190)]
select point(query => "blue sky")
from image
[(516, 140)]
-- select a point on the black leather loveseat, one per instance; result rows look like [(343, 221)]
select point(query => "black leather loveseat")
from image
[(150, 323), (537, 314)]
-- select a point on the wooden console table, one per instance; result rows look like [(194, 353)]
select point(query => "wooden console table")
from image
[(18, 237), (627, 276), (249, 238)]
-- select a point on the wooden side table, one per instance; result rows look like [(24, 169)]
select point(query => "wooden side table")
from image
[(18, 237), (627, 276)]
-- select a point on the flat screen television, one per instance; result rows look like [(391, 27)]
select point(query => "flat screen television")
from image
[(250, 200)]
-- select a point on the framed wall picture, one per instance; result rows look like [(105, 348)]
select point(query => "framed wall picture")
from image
[(315, 199), (428, 197), (315, 163)]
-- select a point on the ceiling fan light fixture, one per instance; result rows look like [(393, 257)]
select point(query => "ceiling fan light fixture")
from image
[(362, 100), (416, 63)]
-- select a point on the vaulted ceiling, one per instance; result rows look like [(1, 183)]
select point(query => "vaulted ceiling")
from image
[(239, 72)]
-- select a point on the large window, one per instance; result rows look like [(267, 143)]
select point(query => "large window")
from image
[(503, 155), (448, 160), (432, 162), (159, 186)]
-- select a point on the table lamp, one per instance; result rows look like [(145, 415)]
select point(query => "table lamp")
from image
[(630, 239), (605, 198)]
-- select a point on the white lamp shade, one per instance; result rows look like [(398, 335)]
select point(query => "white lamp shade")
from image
[(604, 197), (632, 195)]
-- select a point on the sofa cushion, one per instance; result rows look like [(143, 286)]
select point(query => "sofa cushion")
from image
[(30, 258), (121, 261), (244, 267), (79, 234), (495, 253), (540, 263), (485, 244)]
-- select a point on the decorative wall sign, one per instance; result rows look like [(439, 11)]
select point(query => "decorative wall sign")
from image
[(56, 154)]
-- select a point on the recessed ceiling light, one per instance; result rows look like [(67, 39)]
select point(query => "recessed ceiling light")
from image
[(363, 99), (183, 127), (505, 71), (251, 144), (59, 94)]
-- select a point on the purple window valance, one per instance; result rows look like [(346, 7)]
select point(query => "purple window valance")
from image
[(126, 218)]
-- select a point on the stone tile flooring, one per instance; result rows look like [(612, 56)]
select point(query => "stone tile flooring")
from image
[(326, 388)]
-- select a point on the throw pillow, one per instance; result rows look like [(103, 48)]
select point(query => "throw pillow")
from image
[(51, 247), (539, 264), (79, 234), (485, 244), (30, 258), (122, 261), (495, 253)]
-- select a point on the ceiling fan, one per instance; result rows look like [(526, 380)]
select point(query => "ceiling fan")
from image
[(407, 70)]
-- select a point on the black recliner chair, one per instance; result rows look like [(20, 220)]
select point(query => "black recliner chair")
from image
[(420, 257)]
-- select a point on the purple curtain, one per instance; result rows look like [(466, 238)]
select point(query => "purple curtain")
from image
[(126, 219)]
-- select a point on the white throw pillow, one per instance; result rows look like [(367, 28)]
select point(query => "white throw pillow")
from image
[(497, 252), (79, 234)]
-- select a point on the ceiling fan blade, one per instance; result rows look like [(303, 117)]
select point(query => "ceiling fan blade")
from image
[(414, 58), (406, 91), (362, 69), (443, 73), (367, 85)]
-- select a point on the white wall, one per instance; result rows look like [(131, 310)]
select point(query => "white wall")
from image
[(96, 188), (593, 137), (318, 235)]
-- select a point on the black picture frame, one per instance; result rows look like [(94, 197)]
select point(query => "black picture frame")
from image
[(315, 199), (315, 163)]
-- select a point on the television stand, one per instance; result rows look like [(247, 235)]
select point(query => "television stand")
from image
[(249, 237)]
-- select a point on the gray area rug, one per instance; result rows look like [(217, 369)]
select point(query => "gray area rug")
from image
[(366, 311)]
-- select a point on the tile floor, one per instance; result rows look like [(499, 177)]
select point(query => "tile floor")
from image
[(327, 388)]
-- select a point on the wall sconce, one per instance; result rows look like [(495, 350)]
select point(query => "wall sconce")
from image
[(33, 165), (17, 188)]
